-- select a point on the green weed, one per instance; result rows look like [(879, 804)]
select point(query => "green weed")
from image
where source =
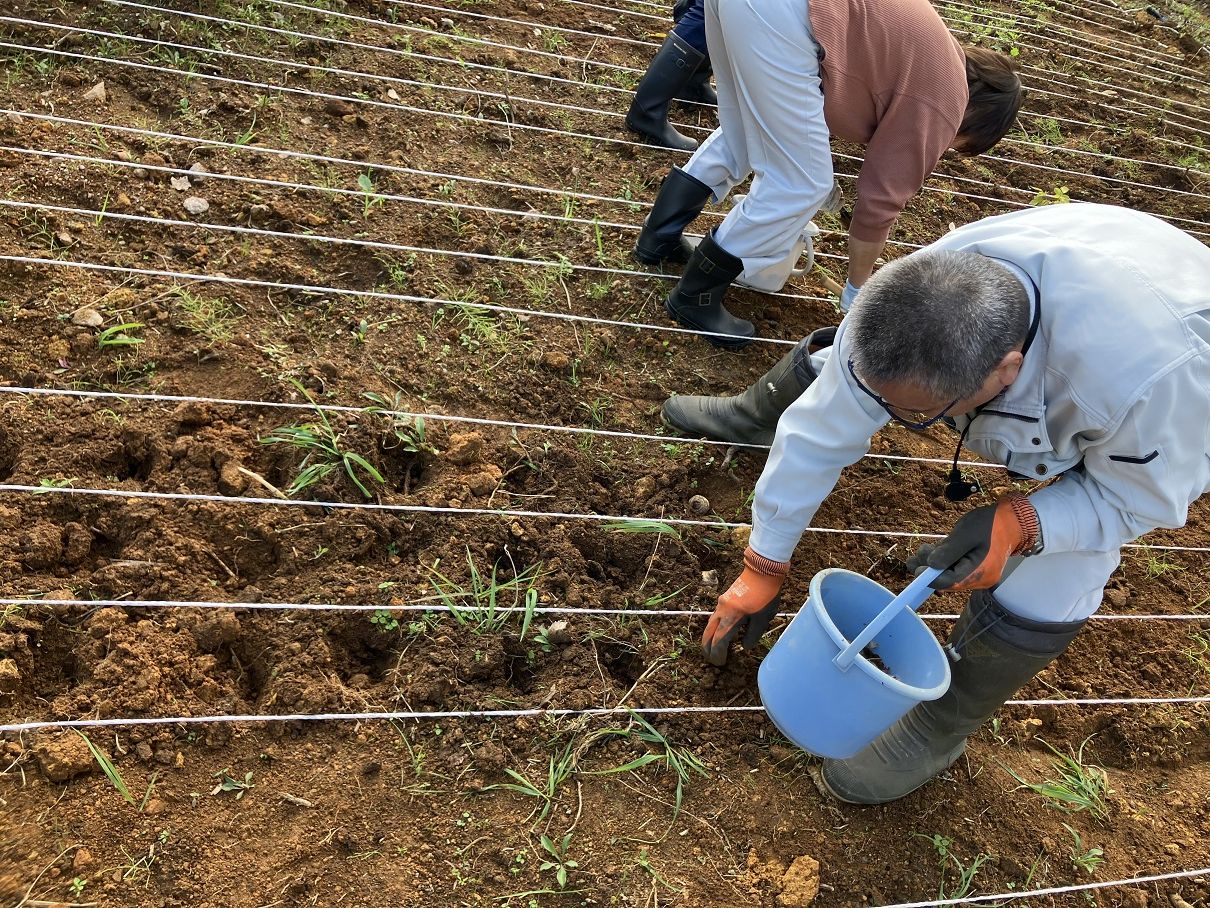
[(324, 454), (1078, 786), (122, 335)]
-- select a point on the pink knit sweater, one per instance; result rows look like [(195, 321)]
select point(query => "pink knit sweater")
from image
[(894, 80)]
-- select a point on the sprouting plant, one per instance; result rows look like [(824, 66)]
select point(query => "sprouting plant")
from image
[(559, 769), (369, 198), (682, 761), (9, 613), (558, 860), (965, 881), (660, 527), (45, 484), (1198, 650), (479, 603), (76, 886), (107, 767), (403, 431), (324, 453), (385, 620), (122, 335), (1057, 196), (227, 783), (1078, 787), (213, 317), (1086, 859)]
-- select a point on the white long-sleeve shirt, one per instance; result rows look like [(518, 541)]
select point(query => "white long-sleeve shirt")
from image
[(1113, 393)]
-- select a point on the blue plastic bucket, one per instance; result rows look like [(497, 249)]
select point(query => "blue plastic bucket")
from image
[(819, 690)]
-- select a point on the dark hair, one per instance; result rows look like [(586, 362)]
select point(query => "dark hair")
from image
[(995, 97), (938, 319)]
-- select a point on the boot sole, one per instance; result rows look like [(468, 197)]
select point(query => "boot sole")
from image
[(658, 141), (728, 344)]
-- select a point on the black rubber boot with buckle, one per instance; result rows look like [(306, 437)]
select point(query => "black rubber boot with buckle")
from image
[(681, 199), (667, 75), (697, 300), (698, 89), (993, 654), (750, 417)]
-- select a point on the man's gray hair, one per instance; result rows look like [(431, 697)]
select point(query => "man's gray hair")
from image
[(938, 320)]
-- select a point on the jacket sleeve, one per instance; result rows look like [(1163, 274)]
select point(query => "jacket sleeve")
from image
[(1142, 476), (821, 433), (907, 144)]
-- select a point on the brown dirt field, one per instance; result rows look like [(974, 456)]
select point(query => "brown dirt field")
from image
[(410, 812)]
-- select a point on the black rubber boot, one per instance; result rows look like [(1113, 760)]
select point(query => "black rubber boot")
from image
[(751, 417), (666, 76), (697, 299), (993, 655), (681, 199), (698, 89)]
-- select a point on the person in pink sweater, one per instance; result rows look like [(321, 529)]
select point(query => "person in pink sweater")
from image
[(884, 73)]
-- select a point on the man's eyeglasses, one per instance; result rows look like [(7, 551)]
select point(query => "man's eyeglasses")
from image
[(909, 419)]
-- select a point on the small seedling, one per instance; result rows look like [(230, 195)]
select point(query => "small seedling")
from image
[(45, 485), (558, 861), (107, 767), (1079, 786), (1058, 196), (76, 886), (370, 199), (324, 453), (404, 432), (683, 762), (227, 783), (965, 882), (478, 605), (385, 620), (558, 770), (1086, 859), (120, 336), (661, 527)]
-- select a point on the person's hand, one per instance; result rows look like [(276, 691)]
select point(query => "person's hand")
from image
[(750, 602), (848, 296), (973, 555)]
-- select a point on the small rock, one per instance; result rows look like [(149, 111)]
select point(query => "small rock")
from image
[(97, 93), (699, 504), (1172, 848), (800, 884), (644, 488), (740, 537), (556, 361), (557, 633), (77, 543), (337, 108), (230, 480), (83, 861), (88, 317), (199, 171), (710, 578), (180, 184), (392, 94), (1116, 598), (465, 448), (154, 806), (64, 758), (65, 237), (10, 676), (447, 24), (196, 205)]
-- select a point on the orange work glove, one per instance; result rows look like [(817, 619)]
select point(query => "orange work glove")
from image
[(973, 555), (751, 601)]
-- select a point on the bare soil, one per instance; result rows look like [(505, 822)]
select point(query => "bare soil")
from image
[(411, 812)]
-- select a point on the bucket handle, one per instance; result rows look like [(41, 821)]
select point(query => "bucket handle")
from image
[(912, 597)]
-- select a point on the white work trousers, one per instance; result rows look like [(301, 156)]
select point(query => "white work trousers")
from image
[(770, 111)]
